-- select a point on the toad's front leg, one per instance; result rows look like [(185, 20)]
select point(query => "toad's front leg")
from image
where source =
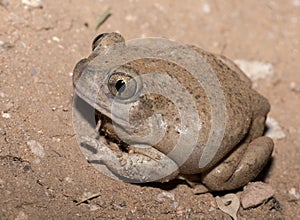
[(141, 164)]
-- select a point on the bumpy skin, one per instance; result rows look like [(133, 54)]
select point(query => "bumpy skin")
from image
[(243, 151)]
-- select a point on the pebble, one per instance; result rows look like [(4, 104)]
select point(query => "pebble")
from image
[(33, 3), (255, 193), (6, 115), (255, 69), (161, 197), (4, 3), (295, 192), (37, 149), (274, 130), (206, 8), (229, 204), (296, 3), (21, 216), (93, 208), (295, 87), (130, 18), (56, 39), (2, 94)]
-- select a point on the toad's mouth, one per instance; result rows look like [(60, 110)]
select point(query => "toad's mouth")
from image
[(101, 107), (107, 131)]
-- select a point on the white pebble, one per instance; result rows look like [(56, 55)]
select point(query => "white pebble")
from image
[(130, 17), (93, 208), (296, 3), (33, 3), (2, 94), (21, 216), (255, 69), (229, 204), (295, 87), (36, 148), (161, 196), (274, 130), (56, 39), (294, 192), (68, 179), (6, 115), (206, 8)]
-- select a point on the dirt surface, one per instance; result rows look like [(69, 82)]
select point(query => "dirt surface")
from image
[(43, 172)]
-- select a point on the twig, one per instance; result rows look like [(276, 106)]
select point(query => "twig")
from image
[(103, 18), (88, 198)]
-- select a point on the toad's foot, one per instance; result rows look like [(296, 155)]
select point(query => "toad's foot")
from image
[(143, 164), (233, 172)]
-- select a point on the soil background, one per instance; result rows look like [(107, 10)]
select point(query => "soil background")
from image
[(42, 170)]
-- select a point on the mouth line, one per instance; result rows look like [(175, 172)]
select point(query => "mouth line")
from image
[(102, 109)]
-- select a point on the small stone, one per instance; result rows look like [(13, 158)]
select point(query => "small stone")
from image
[(295, 193), (36, 148), (2, 94), (6, 115), (255, 193), (206, 8), (93, 208), (255, 69), (68, 179), (229, 204), (21, 216), (33, 3), (160, 198), (274, 130), (56, 39), (295, 87), (130, 18), (4, 3), (296, 3)]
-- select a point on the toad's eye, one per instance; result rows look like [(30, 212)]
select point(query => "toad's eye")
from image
[(122, 86)]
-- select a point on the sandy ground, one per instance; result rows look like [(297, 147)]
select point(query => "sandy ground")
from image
[(43, 172)]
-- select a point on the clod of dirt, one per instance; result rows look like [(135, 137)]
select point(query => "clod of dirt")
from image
[(229, 204), (256, 69), (255, 193)]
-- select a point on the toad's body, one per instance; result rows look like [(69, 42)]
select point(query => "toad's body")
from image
[(242, 152)]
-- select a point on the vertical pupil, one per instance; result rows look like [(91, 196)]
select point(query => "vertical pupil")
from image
[(120, 85)]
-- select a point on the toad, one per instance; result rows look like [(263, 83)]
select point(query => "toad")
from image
[(167, 111)]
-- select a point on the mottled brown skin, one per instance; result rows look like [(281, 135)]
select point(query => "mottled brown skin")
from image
[(243, 151)]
